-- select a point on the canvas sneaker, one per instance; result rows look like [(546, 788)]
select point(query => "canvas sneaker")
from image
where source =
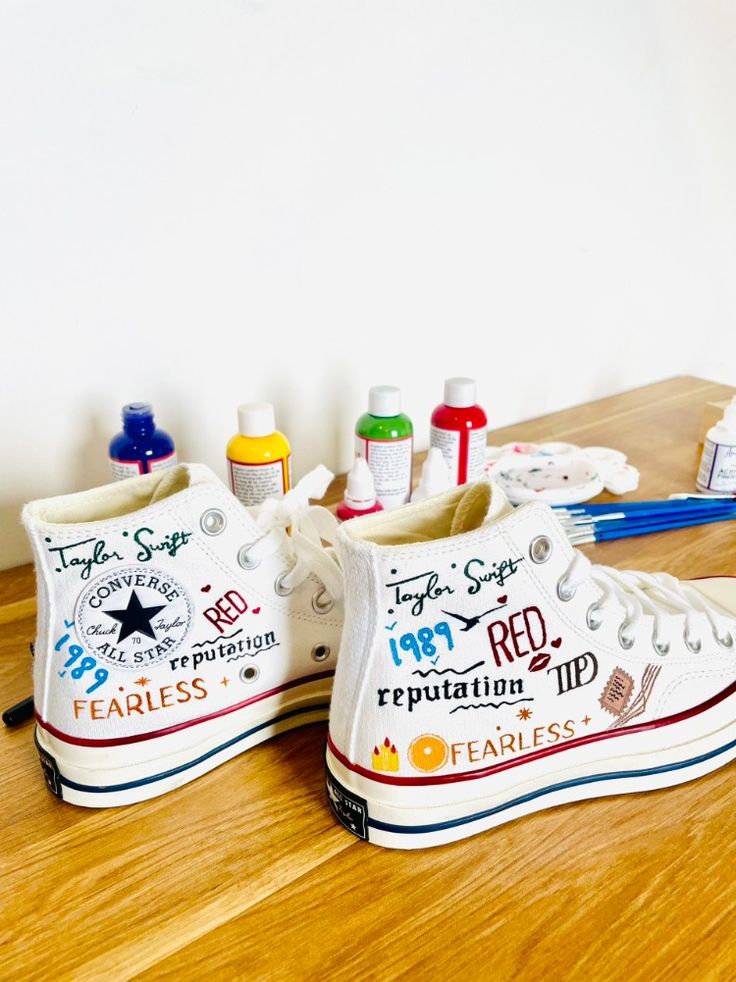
[(489, 670), (176, 629)]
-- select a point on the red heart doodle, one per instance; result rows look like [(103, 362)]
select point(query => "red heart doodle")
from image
[(539, 662), (255, 610), (503, 599), (206, 589), (556, 643)]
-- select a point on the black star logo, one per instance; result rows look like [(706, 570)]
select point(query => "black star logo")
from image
[(134, 618)]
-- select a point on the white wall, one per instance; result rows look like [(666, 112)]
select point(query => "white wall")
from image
[(204, 203)]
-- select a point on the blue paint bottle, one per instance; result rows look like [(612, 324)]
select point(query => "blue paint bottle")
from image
[(141, 447)]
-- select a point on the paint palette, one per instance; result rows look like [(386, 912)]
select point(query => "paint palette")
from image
[(558, 473)]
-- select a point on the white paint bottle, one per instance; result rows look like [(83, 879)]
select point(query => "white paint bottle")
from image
[(717, 474)]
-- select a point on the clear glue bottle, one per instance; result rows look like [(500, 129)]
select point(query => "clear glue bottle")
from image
[(717, 473), (258, 456), (140, 448), (384, 436), (360, 493), (459, 428), (435, 476)]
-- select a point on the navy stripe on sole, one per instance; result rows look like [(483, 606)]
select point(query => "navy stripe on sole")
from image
[(127, 786), (614, 776)]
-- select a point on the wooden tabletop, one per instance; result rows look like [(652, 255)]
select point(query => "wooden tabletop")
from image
[(244, 873)]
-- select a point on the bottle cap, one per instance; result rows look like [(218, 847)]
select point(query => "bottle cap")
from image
[(360, 493), (460, 392), (384, 400), (729, 417), (136, 411), (256, 419), (435, 476)]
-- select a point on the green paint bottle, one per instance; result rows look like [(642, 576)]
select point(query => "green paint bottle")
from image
[(385, 437)]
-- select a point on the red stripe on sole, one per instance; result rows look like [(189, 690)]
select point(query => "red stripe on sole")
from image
[(534, 755), (138, 738)]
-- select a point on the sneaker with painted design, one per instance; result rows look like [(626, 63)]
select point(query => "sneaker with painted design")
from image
[(176, 629), (488, 670)]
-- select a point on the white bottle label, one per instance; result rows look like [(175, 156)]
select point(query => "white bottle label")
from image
[(125, 468), (449, 443), (253, 483), (477, 441), (161, 463), (717, 467), (133, 468), (390, 463)]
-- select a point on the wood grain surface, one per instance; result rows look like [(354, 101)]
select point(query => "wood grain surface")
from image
[(244, 874)]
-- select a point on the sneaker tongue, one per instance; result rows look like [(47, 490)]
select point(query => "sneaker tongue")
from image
[(484, 503), (180, 477), (173, 479)]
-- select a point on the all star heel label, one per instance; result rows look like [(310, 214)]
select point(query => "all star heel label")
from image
[(50, 772), (134, 618), (349, 808)]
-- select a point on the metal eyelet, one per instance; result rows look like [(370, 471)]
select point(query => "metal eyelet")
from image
[(321, 652), (726, 642), (213, 521), (249, 673), (540, 549), (693, 646), (661, 648), (321, 606), (625, 642), (278, 585), (592, 624), (564, 592), (243, 559)]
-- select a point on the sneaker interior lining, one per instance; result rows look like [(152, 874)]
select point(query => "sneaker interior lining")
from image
[(113, 500), (720, 590), (436, 518)]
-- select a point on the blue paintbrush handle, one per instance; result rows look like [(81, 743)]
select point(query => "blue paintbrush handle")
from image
[(687, 517), (651, 507), (623, 530)]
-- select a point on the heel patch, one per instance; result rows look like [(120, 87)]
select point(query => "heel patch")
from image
[(349, 809), (50, 772)]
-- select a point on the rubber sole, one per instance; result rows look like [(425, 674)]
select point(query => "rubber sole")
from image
[(110, 777), (416, 818)]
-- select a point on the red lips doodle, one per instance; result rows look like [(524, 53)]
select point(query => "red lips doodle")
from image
[(539, 662)]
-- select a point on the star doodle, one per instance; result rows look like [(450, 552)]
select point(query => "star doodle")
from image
[(524, 713), (586, 720), (225, 681), (143, 681), (135, 618)]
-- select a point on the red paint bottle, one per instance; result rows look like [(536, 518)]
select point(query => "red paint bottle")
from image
[(360, 493), (459, 429)]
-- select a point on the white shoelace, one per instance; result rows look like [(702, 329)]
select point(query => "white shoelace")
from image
[(309, 526), (657, 594)]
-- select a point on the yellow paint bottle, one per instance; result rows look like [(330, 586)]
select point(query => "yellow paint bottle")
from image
[(258, 456)]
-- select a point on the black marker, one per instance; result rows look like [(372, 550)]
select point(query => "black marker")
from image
[(22, 710), (19, 713)]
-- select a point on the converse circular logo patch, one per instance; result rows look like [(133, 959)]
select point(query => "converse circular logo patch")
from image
[(134, 617)]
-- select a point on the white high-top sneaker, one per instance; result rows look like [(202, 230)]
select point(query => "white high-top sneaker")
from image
[(176, 629), (489, 670)]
